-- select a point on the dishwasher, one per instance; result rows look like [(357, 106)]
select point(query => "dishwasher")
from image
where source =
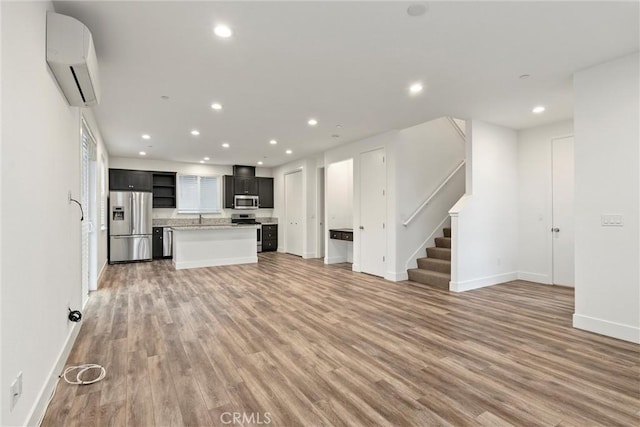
[(167, 242)]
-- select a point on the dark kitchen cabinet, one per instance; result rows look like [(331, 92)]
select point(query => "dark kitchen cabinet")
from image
[(245, 171), (246, 186), (164, 190), (130, 180), (228, 192), (265, 192), (269, 238), (157, 243)]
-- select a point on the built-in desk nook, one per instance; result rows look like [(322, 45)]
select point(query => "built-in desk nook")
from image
[(341, 234)]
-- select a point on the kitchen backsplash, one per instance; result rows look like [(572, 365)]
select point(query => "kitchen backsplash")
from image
[(161, 222), (160, 213)]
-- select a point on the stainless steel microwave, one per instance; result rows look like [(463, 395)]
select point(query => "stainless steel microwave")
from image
[(246, 202)]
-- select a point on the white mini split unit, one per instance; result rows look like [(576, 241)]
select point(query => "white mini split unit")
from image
[(72, 59)]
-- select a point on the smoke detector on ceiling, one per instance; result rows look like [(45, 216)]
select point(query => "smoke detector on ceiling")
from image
[(417, 9)]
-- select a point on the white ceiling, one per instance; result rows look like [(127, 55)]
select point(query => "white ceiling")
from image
[(347, 63)]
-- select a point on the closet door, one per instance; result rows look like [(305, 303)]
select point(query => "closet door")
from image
[(293, 213)]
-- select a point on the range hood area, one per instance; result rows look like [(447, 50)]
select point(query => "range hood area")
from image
[(256, 192)]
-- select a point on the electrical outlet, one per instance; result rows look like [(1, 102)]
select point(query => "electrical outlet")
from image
[(611, 220), (15, 391)]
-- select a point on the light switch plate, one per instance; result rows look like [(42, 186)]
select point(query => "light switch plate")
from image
[(611, 220)]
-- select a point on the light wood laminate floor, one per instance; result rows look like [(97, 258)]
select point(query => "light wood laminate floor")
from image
[(312, 345)]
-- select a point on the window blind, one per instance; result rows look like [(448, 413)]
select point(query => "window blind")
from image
[(198, 194)]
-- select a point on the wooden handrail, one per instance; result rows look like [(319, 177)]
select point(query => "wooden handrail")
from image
[(437, 190)]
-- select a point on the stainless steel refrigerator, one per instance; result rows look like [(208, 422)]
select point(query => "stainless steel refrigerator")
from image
[(130, 226)]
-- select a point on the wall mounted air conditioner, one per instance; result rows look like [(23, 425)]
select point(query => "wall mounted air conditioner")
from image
[(72, 59)]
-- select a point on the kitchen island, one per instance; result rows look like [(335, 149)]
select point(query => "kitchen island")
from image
[(196, 246)]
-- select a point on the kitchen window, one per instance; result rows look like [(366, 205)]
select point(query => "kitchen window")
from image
[(198, 194)]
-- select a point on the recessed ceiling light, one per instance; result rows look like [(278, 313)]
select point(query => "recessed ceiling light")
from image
[(417, 10), (273, 142), (142, 153), (416, 88), (201, 161), (524, 76), (145, 136), (312, 122), (259, 163), (288, 151), (222, 31), (216, 106), (195, 132), (539, 109), (225, 145), (206, 158), (335, 135), (338, 126), (165, 97)]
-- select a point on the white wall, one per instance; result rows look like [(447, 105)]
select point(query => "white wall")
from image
[(40, 229), (309, 176), (427, 154), (485, 221), (187, 168), (1, 221), (534, 200), (388, 141), (339, 209), (607, 181)]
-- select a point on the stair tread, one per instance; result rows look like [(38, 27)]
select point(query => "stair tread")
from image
[(430, 278), (440, 249), (437, 260), (424, 272)]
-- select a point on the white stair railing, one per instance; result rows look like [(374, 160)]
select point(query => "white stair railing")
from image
[(437, 190)]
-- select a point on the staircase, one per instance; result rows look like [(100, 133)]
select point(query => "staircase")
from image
[(435, 269)]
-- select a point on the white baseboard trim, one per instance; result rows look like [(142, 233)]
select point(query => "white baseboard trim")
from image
[(309, 255), (181, 265), (335, 259), (396, 276), (482, 282), (534, 277), (101, 273), (608, 328), (40, 406), (355, 267)]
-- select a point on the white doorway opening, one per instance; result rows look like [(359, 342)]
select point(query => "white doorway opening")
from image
[(562, 228)]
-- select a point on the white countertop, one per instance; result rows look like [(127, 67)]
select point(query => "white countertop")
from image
[(214, 227)]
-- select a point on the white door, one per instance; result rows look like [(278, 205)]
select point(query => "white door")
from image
[(563, 219), (373, 212), (89, 242), (293, 213), (320, 213)]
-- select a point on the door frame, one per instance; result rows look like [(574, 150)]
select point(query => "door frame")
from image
[(91, 211), (321, 212), (300, 170), (550, 198)]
